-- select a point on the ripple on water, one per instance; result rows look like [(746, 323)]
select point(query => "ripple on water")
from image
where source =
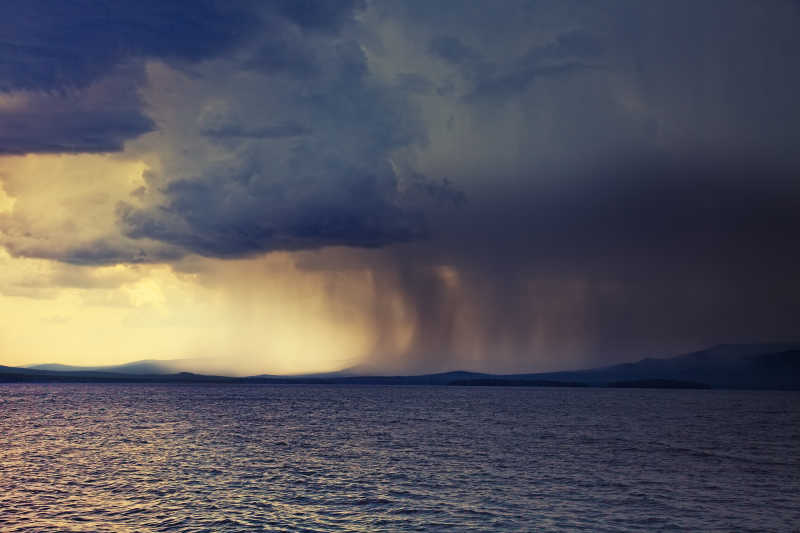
[(122, 458)]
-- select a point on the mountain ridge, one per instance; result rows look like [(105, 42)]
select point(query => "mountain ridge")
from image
[(757, 366)]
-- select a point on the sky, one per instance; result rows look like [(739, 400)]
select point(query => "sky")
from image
[(292, 186)]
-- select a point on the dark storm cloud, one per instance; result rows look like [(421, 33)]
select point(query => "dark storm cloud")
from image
[(252, 219), (319, 198), (98, 252), (318, 14), (76, 64), (105, 252), (568, 54), (69, 131), (725, 75), (99, 118), (58, 51), (291, 32), (273, 131), (519, 79), (308, 142), (57, 54), (454, 51), (653, 255), (648, 209), (52, 46), (413, 83), (332, 181), (647, 197), (611, 178)]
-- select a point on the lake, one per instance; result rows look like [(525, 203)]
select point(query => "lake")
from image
[(191, 458)]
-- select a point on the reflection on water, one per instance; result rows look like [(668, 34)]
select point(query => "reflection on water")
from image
[(315, 458)]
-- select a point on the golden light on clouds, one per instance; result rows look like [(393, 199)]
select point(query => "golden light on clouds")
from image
[(253, 315), (261, 314), (6, 201), (250, 315), (62, 202), (280, 312), (83, 291)]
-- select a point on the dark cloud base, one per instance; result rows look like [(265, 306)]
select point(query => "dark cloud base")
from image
[(53, 46)]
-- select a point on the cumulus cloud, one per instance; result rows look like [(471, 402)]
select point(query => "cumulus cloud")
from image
[(290, 158), (298, 153), (97, 118), (74, 68), (51, 47), (63, 209)]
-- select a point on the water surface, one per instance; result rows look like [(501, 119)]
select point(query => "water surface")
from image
[(193, 458)]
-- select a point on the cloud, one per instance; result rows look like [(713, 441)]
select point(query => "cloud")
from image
[(51, 47), (76, 67), (452, 50), (516, 185), (318, 14), (271, 131), (42, 279), (285, 159), (63, 209), (566, 52), (98, 118), (506, 85), (32, 131), (298, 153), (651, 256), (641, 199)]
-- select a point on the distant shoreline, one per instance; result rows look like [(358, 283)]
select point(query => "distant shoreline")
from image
[(186, 378), (752, 367)]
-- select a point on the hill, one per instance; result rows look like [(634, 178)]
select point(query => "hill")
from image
[(741, 366), (751, 366)]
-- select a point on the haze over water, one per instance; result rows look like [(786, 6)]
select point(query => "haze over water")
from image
[(370, 458)]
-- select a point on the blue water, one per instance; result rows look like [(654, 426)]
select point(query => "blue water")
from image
[(361, 458)]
